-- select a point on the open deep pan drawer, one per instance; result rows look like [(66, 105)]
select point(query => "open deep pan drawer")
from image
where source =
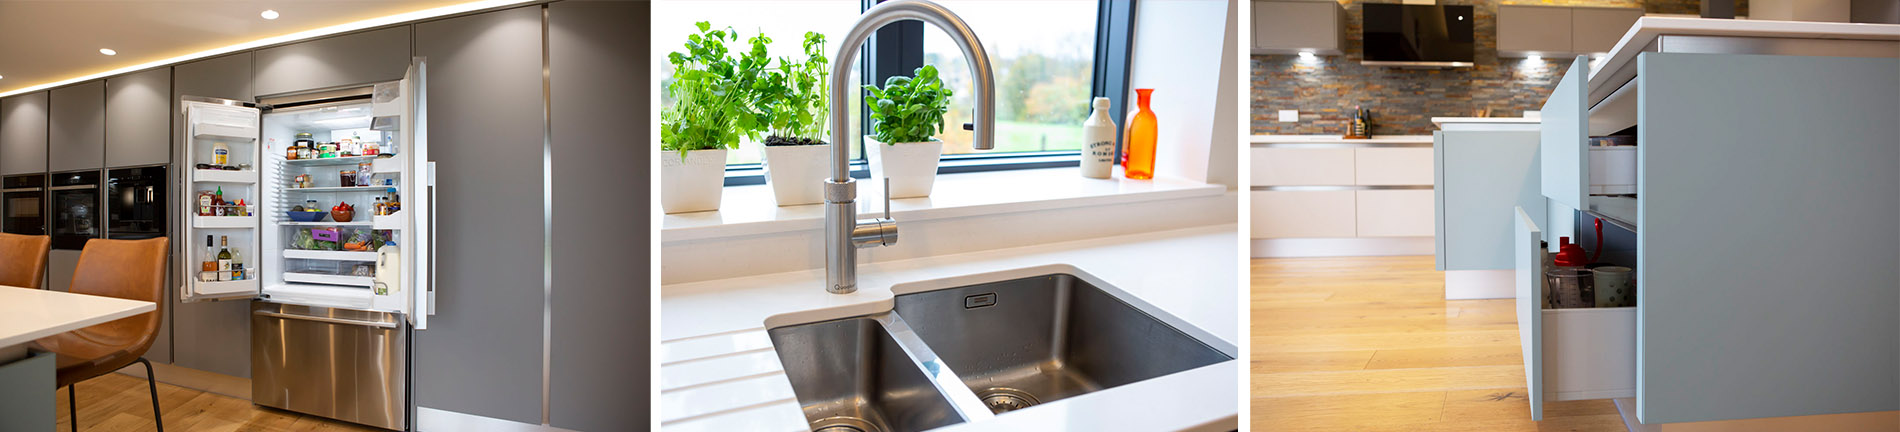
[(1569, 354)]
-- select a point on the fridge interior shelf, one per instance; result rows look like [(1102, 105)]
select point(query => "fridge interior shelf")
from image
[(323, 223), (223, 222), (351, 160), (341, 189), (330, 255), (222, 176), (361, 281)]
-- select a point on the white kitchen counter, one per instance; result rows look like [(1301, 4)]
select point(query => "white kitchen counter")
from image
[(1336, 139), (718, 370), (1647, 29)]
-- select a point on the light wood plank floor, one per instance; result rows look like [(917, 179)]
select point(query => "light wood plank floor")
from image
[(115, 402), (1370, 344)]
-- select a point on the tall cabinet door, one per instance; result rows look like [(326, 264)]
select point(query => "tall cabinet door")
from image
[(352, 59), (1565, 152), (76, 139), (138, 131), (1766, 284), (209, 336), (23, 134), (485, 116)]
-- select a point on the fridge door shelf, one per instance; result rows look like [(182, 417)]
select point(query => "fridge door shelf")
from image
[(390, 221), (213, 131), (388, 166), (222, 176), (218, 288), (354, 223), (318, 278), (223, 222), (330, 255), (341, 189)]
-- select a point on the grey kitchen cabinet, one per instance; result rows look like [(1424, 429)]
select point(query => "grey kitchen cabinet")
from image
[(596, 68), (76, 136), (1753, 258), (1596, 30), (486, 117), (1481, 176), (1290, 27), (1525, 30), (1561, 31), (208, 336), (350, 59), (138, 125), (23, 134)]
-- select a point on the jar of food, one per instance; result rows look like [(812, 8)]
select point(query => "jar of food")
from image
[(301, 145), (303, 181), (347, 178), (364, 170), (326, 150)]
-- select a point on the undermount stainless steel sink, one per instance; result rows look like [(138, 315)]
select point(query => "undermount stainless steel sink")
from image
[(1035, 340), (851, 376), (971, 352)]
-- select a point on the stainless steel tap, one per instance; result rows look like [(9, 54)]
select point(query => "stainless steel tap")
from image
[(844, 232)]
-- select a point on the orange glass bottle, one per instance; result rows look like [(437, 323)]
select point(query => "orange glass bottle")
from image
[(1140, 139)]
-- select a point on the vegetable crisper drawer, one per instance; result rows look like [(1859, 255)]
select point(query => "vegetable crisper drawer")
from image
[(1589, 353)]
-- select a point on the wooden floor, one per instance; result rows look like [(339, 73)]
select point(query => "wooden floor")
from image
[(1370, 344), (117, 402)]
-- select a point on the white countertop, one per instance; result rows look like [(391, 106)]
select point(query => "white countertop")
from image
[(1336, 139), (1442, 120), (1648, 28), (718, 370), (27, 314)]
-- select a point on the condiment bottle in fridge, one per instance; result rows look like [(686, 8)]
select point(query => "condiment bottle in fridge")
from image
[(220, 154), (1098, 141)]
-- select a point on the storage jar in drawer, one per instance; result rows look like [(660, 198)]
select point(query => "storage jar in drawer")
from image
[(1303, 214), (1274, 166), (1392, 166), (1395, 213)]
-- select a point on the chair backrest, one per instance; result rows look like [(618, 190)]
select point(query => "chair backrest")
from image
[(23, 260), (127, 269)]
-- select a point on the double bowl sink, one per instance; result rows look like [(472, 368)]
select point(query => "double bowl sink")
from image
[(965, 353)]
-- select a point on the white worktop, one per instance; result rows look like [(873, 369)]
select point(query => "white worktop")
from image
[(718, 370), (1441, 121), (1336, 139), (27, 314), (1648, 28)]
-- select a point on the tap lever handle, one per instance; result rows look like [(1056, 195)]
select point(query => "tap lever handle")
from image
[(887, 197)]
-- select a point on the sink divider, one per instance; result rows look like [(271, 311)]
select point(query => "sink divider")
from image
[(945, 380)]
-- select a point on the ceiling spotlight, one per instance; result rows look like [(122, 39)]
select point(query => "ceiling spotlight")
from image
[(108, 51), (269, 14)]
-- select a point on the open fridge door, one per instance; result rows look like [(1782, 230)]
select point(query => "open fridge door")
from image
[(406, 111), (221, 153)]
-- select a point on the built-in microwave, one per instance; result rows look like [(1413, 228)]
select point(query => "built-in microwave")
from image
[(135, 203), (75, 208), (23, 201)]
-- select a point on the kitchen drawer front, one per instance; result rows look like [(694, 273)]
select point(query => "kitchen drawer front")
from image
[(1395, 213), (1303, 167), (1589, 353), (1303, 214), (1392, 166)]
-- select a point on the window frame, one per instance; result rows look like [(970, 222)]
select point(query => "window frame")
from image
[(898, 48)]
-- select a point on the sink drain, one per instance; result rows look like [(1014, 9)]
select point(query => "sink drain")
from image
[(1004, 399), (842, 424)]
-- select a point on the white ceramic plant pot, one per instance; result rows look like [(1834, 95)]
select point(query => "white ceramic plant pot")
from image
[(797, 173), (912, 167), (692, 184)]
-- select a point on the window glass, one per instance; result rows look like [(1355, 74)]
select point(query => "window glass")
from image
[(1043, 55), (784, 21)]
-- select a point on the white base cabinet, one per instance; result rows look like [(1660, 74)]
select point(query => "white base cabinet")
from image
[(1325, 196)]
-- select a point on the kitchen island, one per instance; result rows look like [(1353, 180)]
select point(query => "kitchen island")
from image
[(720, 372), (27, 314)]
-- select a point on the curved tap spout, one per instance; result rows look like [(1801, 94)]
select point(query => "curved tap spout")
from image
[(844, 234)]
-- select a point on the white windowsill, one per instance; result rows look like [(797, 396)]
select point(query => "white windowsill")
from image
[(749, 210)]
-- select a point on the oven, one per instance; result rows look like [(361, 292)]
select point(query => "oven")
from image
[(23, 201), (75, 209), (135, 203)]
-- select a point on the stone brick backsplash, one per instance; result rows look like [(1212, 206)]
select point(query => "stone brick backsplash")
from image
[(1403, 101)]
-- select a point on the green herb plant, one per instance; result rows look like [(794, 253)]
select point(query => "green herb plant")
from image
[(909, 109), (797, 98), (716, 95)]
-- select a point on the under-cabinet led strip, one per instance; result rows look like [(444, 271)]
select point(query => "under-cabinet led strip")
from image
[(306, 34)]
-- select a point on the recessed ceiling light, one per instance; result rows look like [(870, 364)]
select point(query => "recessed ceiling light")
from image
[(108, 51), (269, 14)]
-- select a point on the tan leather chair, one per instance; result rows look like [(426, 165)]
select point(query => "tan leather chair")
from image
[(23, 260), (127, 269)]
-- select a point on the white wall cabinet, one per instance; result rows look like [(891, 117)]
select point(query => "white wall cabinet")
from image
[(1561, 31)]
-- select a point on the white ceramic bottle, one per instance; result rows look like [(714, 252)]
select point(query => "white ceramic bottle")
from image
[(1098, 142)]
